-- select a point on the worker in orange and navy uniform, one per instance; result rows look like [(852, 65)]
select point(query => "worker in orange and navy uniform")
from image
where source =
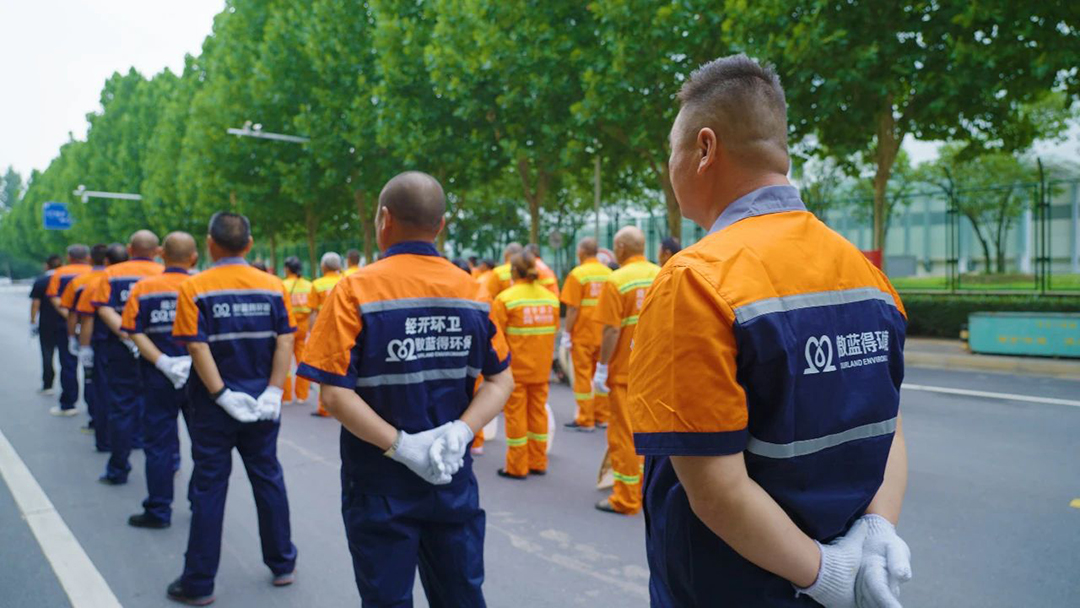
[(617, 311), (238, 328), (69, 298), (352, 260), (46, 325), (78, 262), (765, 378), (547, 279), (320, 292), (299, 290), (165, 365), (500, 278), (397, 350), (582, 334), (529, 316)]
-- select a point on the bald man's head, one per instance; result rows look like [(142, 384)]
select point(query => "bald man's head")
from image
[(587, 248), (179, 249), (416, 200), (629, 242), (511, 250), (144, 244)]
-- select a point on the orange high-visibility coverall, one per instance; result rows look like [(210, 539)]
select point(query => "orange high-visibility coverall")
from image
[(299, 290), (582, 291)]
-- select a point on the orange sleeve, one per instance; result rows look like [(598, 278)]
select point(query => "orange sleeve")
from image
[(85, 305), (67, 298), (314, 298), (186, 326), (685, 399), (571, 291), (53, 289), (288, 306), (100, 292), (499, 315), (493, 284), (328, 354), (131, 309), (609, 310)]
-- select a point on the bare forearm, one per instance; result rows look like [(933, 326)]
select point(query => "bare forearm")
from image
[(55, 303), (489, 400), (203, 362), (86, 332), (72, 323), (282, 359), (890, 496), (112, 320), (608, 344), (571, 319), (35, 308), (741, 513), (146, 346), (358, 417)]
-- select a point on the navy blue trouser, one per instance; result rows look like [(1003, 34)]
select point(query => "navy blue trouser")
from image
[(50, 340), (98, 396), (214, 434), (161, 440), (69, 377), (441, 530), (124, 396)]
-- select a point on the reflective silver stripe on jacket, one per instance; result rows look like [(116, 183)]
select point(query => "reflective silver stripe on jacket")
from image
[(240, 292), (453, 373), (754, 310), (242, 335), (406, 303), (810, 446)]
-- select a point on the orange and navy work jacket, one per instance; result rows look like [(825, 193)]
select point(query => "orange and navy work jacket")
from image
[(620, 302), (582, 290), (775, 337), (62, 276), (410, 334), (528, 314), (151, 309), (547, 278), (76, 291), (113, 287), (239, 311)]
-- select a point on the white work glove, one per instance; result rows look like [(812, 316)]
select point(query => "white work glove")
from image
[(73, 346), (241, 406), (599, 380), (131, 346), (35, 329), (414, 451), (270, 403), (176, 369), (565, 343), (448, 451), (886, 564), (840, 561), (86, 356)]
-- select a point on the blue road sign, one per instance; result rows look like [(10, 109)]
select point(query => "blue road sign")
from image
[(55, 216)]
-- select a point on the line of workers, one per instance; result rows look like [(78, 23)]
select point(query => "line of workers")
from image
[(138, 327)]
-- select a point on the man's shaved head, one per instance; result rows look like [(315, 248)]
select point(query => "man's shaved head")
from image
[(511, 250), (78, 253), (144, 244), (179, 248), (743, 103), (629, 241), (116, 253), (415, 199), (587, 247)]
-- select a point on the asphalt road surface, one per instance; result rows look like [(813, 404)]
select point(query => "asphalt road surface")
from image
[(987, 515)]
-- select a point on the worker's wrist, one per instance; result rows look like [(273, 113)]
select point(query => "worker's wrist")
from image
[(215, 395), (389, 453)]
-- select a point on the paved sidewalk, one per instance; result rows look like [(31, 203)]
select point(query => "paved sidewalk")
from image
[(954, 354)]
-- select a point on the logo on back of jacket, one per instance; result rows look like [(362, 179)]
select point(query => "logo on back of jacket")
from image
[(851, 350), (429, 337)]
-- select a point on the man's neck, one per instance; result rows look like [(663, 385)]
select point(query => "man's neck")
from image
[(738, 189)]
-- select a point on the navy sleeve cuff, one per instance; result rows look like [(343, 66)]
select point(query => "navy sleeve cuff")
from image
[(324, 377), (496, 368), (691, 444), (196, 338)]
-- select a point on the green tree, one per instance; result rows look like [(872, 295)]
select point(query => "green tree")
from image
[(11, 186), (860, 76)]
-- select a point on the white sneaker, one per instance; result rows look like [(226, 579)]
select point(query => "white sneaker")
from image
[(47, 391), (56, 411)]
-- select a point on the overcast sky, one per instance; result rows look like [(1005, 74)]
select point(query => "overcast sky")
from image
[(57, 54)]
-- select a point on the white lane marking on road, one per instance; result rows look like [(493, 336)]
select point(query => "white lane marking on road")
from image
[(988, 395), (82, 582)]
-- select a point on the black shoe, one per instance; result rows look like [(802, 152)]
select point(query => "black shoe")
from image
[(284, 580), (579, 428), (503, 473), (601, 425), (86, 430), (177, 593), (145, 520), (109, 481), (538, 472)]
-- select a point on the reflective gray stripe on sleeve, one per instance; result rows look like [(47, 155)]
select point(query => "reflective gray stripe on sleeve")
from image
[(157, 295), (406, 303), (809, 446), (240, 292), (810, 300), (242, 335), (160, 329), (453, 373)]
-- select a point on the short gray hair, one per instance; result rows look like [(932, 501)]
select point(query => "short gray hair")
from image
[(331, 261), (78, 251), (743, 102)]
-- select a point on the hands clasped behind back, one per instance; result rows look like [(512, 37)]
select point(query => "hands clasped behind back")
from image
[(415, 452)]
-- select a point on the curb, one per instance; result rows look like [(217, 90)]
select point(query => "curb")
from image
[(988, 363)]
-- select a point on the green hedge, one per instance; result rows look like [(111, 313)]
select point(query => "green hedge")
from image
[(943, 316)]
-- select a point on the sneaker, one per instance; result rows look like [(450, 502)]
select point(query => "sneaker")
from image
[(573, 425), (56, 410), (86, 430), (105, 480), (145, 520), (601, 425), (47, 391), (503, 473), (320, 414), (177, 593), (606, 506), (284, 580)]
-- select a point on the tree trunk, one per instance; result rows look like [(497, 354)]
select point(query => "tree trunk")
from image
[(311, 226), (534, 195), (674, 214), (983, 242), (366, 223), (888, 145), (273, 253)]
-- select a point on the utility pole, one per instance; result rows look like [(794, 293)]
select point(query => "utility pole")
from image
[(86, 195), (255, 130), (596, 195)]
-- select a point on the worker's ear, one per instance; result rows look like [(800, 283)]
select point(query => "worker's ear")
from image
[(709, 147)]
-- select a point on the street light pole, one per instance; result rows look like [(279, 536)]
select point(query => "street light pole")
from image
[(86, 195), (255, 130)]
